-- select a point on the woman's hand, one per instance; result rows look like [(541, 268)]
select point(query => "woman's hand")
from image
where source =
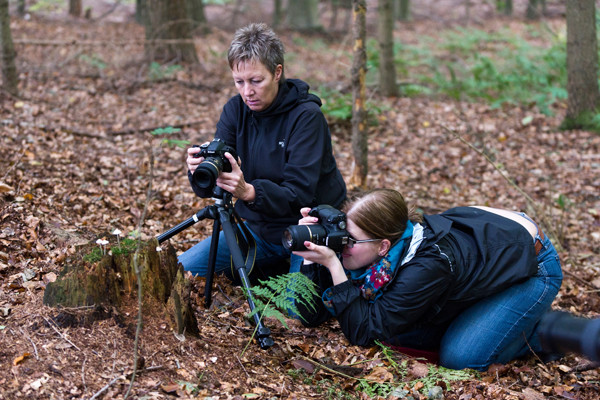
[(191, 161), (325, 256), (307, 219), (234, 181)]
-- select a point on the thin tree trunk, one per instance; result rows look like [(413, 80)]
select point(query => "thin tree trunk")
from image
[(303, 15), (277, 13), (504, 6), (359, 113), (7, 49), (21, 7), (403, 12), (387, 67), (582, 58), (532, 11), (75, 8)]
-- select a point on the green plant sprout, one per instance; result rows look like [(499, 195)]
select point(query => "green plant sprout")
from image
[(157, 72), (169, 130), (94, 61)]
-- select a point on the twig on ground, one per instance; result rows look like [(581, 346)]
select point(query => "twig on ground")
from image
[(83, 371), (52, 324), (242, 365), (31, 341), (122, 376), (15, 164)]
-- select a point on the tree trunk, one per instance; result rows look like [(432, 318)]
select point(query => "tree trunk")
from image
[(505, 6), (582, 59), (21, 7), (359, 113), (169, 31), (277, 13), (336, 6), (403, 10), (141, 13), (107, 281), (387, 67), (75, 8), (196, 12), (532, 12), (10, 77), (303, 15)]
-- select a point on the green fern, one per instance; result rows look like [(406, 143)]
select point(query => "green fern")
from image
[(279, 294)]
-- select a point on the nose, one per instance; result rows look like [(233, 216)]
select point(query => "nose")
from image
[(248, 91)]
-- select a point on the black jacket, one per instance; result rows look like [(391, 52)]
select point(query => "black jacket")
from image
[(487, 254), (286, 155)]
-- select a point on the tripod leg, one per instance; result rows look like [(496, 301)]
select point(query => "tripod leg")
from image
[(214, 243), (263, 334)]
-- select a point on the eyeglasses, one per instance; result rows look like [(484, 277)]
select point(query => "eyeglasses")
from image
[(352, 241)]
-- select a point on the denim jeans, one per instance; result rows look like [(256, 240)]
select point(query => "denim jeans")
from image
[(499, 328), (195, 259)]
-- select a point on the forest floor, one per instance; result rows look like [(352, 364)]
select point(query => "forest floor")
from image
[(75, 152)]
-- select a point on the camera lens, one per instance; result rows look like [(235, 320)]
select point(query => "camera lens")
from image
[(205, 175), (295, 236)]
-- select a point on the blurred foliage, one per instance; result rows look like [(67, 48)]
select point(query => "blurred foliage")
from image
[(337, 106), (496, 67)]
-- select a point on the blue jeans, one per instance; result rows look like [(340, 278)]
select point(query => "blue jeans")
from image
[(195, 259), (499, 328)]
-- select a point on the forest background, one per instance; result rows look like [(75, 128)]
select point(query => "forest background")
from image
[(482, 97)]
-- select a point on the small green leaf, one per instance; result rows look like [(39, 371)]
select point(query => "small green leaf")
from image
[(527, 120)]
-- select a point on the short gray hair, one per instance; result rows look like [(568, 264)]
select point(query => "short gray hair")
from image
[(257, 42)]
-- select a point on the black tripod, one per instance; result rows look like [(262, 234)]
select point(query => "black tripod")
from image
[(221, 212)]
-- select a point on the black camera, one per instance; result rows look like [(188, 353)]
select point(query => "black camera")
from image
[(331, 231), (215, 162)]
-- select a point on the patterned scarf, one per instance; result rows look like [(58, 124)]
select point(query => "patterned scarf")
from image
[(370, 280)]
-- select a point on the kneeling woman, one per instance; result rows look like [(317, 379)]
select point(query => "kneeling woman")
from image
[(470, 283)]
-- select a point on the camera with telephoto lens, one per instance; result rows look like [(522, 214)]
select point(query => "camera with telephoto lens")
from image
[(331, 230), (215, 162)]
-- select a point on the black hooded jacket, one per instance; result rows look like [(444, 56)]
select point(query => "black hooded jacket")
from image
[(286, 154), (466, 254)]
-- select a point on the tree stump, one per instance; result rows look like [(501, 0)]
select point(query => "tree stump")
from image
[(97, 275)]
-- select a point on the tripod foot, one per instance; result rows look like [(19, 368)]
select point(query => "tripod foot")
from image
[(263, 335)]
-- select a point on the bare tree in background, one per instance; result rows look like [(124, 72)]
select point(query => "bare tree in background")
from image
[(10, 79), (21, 7), (535, 9), (277, 13), (504, 6), (303, 15), (169, 31), (582, 61), (387, 67), (402, 9), (336, 5), (359, 112), (196, 11), (75, 8)]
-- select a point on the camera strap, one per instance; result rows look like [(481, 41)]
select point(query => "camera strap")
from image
[(246, 243)]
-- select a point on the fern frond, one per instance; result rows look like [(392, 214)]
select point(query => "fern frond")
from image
[(281, 294)]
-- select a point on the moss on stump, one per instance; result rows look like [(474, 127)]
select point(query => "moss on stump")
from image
[(102, 277)]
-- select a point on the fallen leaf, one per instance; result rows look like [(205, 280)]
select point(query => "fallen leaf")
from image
[(22, 358), (380, 375), (5, 188), (305, 365)]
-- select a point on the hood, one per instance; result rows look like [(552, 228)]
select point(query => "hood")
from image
[(291, 93)]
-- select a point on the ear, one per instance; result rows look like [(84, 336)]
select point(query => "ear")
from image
[(278, 72), (384, 247)]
